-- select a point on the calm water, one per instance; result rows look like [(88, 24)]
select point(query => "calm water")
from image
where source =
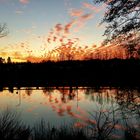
[(102, 107)]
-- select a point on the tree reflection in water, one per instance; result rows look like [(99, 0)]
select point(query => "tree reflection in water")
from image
[(129, 101), (115, 114), (125, 116)]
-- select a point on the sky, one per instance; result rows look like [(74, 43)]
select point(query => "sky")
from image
[(37, 24)]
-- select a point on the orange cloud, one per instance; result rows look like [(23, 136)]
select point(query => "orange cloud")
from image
[(69, 26), (58, 27), (34, 59), (3, 54), (48, 40)]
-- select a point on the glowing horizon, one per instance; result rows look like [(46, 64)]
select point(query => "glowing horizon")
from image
[(44, 25)]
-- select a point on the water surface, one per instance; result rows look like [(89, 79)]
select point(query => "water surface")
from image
[(83, 107)]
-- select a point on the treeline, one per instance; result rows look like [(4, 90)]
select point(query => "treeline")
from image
[(115, 72)]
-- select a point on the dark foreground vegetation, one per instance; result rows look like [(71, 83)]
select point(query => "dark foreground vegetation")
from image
[(113, 72), (12, 128)]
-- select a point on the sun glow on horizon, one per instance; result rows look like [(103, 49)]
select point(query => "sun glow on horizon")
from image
[(35, 33), (69, 32)]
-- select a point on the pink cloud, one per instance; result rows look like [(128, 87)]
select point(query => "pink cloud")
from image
[(76, 13), (89, 6), (24, 1), (87, 16), (82, 20), (93, 8)]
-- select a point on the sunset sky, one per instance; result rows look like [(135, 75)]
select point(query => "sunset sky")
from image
[(36, 26)]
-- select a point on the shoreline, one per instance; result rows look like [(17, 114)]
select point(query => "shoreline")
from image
[(115, 72)]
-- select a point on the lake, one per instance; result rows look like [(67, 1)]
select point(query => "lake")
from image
[(97, 108)]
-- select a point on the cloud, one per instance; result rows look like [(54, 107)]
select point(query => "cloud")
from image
[(69, 26), (80, 17), (86, 16), (60, 32), (24, 1), (78, 22), (94, 8), (34, 59), (82, 20), (58, 27), (89, 6), (76, 12)]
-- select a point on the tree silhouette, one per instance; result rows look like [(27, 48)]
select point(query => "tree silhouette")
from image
[(9, 60), (3, 30), (123, 19), (2, 60)]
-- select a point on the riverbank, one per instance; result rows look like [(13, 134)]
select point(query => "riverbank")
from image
[(113, 72)]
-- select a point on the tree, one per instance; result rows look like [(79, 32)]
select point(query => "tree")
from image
[(2, 60), (9, 60), (123, 23), (3, 30)]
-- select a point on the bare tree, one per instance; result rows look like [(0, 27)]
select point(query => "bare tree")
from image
[(3, 30), (123, 24)]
